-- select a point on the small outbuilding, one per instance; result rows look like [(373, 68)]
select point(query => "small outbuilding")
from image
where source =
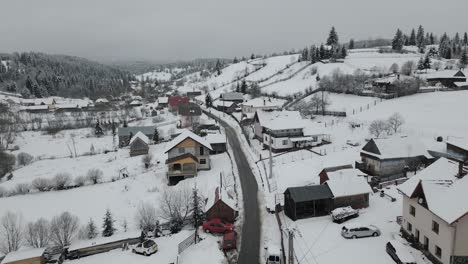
[(217, 142), (307, 201), (222, 207), (33, 256), (139, 144)]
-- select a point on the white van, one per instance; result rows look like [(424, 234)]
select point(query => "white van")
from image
[(273, 255)]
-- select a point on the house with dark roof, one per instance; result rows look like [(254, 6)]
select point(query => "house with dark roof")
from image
[(391, 158), (126, 133), (232, 97), (447, 78), (221, 206), (307, 201), (189, 115), (187, 154), (458, 149), (194, 94)]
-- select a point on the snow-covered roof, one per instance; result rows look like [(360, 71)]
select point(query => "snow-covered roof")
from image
[(440, 180), (461, 84), (135, 102), (312, 129), (217, 103), (265, 102), (232, 96), (277, 120), (223, 195), (402, 251), (444, 74), (39, 101), (399, 147), (187, 134), (35, 107), (67, 106), (102, 100), (23, 254), (80, 244), (163, 100), (460, 143), (215, 138), (347, 182), (141, 136)]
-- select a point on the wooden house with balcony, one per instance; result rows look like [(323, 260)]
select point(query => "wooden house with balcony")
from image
[(187, 154)]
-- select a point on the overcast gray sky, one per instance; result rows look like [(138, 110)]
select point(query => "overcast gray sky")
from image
[(176, 29)]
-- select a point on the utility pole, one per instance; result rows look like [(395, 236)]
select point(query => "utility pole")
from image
[(271, 157), (291, 247)]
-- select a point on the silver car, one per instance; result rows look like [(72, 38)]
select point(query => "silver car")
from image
[(357, 231)]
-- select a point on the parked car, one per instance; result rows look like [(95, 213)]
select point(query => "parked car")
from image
[(357, 231), (343, 214), (216, 225), (146, 247), (273, 255), (399, 252), (230, 240)]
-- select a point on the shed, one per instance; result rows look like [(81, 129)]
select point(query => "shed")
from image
[(33, 256), (307, 201), (217, 142), (222, 207), (139, 144)]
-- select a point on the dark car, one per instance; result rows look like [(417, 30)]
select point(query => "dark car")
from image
[(216, 225), (399, 252)]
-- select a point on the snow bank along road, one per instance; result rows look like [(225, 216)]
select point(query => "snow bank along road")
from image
[(250, 245)]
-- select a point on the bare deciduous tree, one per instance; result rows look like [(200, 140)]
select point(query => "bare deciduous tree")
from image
[(146, 216), (61, 181), (94, 175), (147, 160), (41, 184), (63, 229), (24, 159), (377, 128), (37, 233), (395, 122), (11, 226), (175, 203)]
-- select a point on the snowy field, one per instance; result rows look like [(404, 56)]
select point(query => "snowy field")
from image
[(347, 102), (273, 66), (163, 76)]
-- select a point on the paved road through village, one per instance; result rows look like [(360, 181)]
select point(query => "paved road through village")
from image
[(251, 228)]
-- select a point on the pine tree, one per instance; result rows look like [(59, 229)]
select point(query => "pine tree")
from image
[(445, 49), (218, 67), (323, 53), (313, 54), (98, 130), (235, 60), (465, 39), (244, 87), (431, 39), (108, 225), (427, 62), (351, 44), (397, 43), (412, 38), (420, 37), (463, 59), (332, 37), (421, 64), (196, 207), (427, 39), (406, 40), (252, 56), (208, 100), (456, 39), (91, 230), (156, 135), (237, 87), (344, 52), (125, 124)]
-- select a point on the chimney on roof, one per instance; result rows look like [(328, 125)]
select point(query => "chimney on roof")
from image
[(264, 101)]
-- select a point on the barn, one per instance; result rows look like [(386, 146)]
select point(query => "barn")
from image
[(307, 201), (222, 207), (139, 144), (33, 256)]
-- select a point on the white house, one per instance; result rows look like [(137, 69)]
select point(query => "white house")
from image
[(261, 103), (435, 210), (284, 130)]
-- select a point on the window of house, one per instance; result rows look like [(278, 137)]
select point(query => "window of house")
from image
[(410, 227), (202, 151), (314, 138), (412, 210), (285, 142), (202, 161), (435, 227), (438, 251), (181, 150), (266, 139)]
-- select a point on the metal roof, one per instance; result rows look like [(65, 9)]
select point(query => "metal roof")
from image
[(310, 193)]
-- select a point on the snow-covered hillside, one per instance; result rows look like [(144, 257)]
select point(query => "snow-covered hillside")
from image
[(163, 76)]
